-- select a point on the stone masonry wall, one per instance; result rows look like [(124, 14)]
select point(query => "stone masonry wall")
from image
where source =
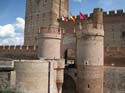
[(4, 79), (42, 13), (32, 76), (114, 29), (115, 56), (114, 80)]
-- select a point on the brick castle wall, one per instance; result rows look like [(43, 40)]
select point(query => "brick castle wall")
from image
[(18, 52)]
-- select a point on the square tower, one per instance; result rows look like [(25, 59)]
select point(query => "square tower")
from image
[(42, 13)]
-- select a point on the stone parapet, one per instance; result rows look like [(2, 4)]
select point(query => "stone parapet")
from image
[(113, 16), (50, 29), (50, 35), (18, 47), (18, 52), (90, 31), (95, 21), (114, 13)]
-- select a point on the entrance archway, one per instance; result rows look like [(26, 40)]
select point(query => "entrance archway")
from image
[(69, 85)]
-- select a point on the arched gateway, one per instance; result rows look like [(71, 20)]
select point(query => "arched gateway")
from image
[(69, 85)]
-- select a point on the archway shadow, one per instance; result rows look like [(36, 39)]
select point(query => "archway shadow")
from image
[(69, 85)]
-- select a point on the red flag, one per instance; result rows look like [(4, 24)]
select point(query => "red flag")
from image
[(82, 16)]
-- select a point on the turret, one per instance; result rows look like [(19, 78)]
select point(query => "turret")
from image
[(49, 43), (90, 55), (97, 17)]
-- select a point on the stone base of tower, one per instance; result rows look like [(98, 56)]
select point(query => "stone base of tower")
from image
[(39, 76), (91, 79)]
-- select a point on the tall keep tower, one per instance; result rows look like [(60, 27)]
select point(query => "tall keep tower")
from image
[(42, 13)]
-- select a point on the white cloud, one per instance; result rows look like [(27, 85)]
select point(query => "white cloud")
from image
[(7, 30), (19, 24), (12, 34), (11, 41)]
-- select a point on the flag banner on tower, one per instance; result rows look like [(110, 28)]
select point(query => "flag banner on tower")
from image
[(65, 18), (72, 18), (82, 16)]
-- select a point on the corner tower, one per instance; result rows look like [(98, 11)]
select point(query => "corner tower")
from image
[(90, 54), (42, 13)]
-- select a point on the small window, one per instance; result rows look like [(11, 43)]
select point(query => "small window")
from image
[(75, 74), (37, 15), (88, 86), (123, 35)]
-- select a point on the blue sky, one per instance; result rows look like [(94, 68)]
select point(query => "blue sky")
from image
[(86, 6), (12, 14), (10, 10)]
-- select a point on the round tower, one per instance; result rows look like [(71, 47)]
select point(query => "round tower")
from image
[(49, 43), (49, 48), (90, 55), (32, 76)]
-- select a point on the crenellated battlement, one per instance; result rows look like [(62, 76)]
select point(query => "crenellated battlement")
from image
[(81, 24), (18, 52), (18, 48), (49, 29), (114, 13), (92, 21), (114, 16)]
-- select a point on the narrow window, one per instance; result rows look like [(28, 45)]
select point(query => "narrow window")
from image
[(88, 86), (123, 35)]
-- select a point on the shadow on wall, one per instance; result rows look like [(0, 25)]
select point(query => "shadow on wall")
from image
[(69, 85)]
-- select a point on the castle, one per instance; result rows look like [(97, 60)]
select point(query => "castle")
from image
[(65, 57)]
